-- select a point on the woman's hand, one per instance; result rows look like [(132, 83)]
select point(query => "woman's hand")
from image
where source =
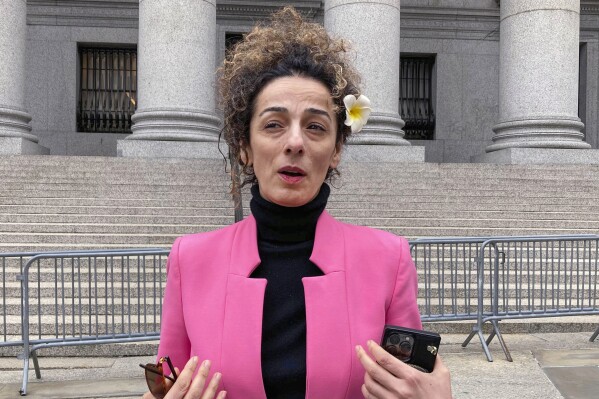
[(187, 387), (388, 377)]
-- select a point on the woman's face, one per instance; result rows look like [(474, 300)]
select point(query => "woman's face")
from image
[(292, 139)]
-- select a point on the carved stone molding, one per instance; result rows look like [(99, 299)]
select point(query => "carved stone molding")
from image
[(589, 7), (444, 22), (115, 13), (252, 10), (124, 13)]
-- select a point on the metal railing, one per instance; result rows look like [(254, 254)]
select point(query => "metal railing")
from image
[(489, 279), (108, 89), (96, 297), (85, 297), (534, 277), (447, 277), (416, 96)]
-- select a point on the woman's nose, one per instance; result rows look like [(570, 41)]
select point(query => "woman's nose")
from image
[(295, 140)]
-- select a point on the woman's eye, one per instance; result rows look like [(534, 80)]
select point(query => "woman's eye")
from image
[(316, 126), (272, 125)]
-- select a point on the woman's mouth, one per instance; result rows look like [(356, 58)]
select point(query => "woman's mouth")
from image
[(291, 174)]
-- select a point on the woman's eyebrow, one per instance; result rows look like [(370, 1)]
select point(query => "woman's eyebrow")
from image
[(273, 109), (318, 111)]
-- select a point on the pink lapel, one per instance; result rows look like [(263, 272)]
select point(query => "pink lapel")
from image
[(329, 348), (242, 330)]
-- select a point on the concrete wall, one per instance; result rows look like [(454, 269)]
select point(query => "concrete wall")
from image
[(464, 37), (589, 35), (462, 34), (54, 32)]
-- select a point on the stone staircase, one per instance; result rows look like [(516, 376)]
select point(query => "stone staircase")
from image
[(60, 203)]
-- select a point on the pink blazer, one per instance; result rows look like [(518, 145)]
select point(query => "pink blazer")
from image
[(212, 308)]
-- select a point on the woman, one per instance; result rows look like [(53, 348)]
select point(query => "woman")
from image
[(283, 301)]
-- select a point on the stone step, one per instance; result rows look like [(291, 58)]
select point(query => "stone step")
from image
[(12, 242), (575, 262), (123, 239), (49, 290), (335, 205), (103, 312), (94, 185), (108, 190), (65, 246), (204, 224), (86, 203), (21, 212), (137, 238), (453, 222), (348, 209), (100, 199), (48, 274), (569, 324), (120, 310), (147, 348), (159, 215), (51, 273), (50, 325), (566, 283), (192, 183), (103, 163), (189, 225), (217, 177), (118, 192), (10, 205), (147, 300), (562, 296)]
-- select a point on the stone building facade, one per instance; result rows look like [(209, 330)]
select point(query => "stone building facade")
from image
[(506, 81)]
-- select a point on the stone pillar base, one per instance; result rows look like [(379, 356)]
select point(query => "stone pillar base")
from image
[(170, 149), (174, 124), (382, 153), (513, 156), (382, 129), (21, 146), (559, 132)]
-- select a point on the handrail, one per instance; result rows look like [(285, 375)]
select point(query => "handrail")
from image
[(86, 261)]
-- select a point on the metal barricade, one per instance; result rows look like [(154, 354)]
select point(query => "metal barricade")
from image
[(545, 276), (448, 277), (87, 297), (474, 278), (11, 266), (95, 297)]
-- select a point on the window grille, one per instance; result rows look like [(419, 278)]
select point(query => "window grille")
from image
[(108, 90), (232, 39), (416, 97), (582, 86)]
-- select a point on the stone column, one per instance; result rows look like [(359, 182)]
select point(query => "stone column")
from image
[(372, 27), (15, 131), (538, 83), (176, 72)]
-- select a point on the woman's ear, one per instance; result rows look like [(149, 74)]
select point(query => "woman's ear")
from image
[(336, 158), (246, 156)]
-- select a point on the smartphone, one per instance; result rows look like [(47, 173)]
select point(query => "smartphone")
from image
[(415, 347)]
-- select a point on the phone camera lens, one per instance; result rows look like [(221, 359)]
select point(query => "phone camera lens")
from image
[(394, 339), (405, 348), (392, 349)]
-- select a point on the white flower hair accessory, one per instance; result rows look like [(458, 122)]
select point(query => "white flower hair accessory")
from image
[(357, 111)]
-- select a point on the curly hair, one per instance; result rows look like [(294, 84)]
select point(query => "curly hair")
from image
[(286, 46)]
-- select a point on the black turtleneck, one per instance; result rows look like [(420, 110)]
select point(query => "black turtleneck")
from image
[(285, 242)]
